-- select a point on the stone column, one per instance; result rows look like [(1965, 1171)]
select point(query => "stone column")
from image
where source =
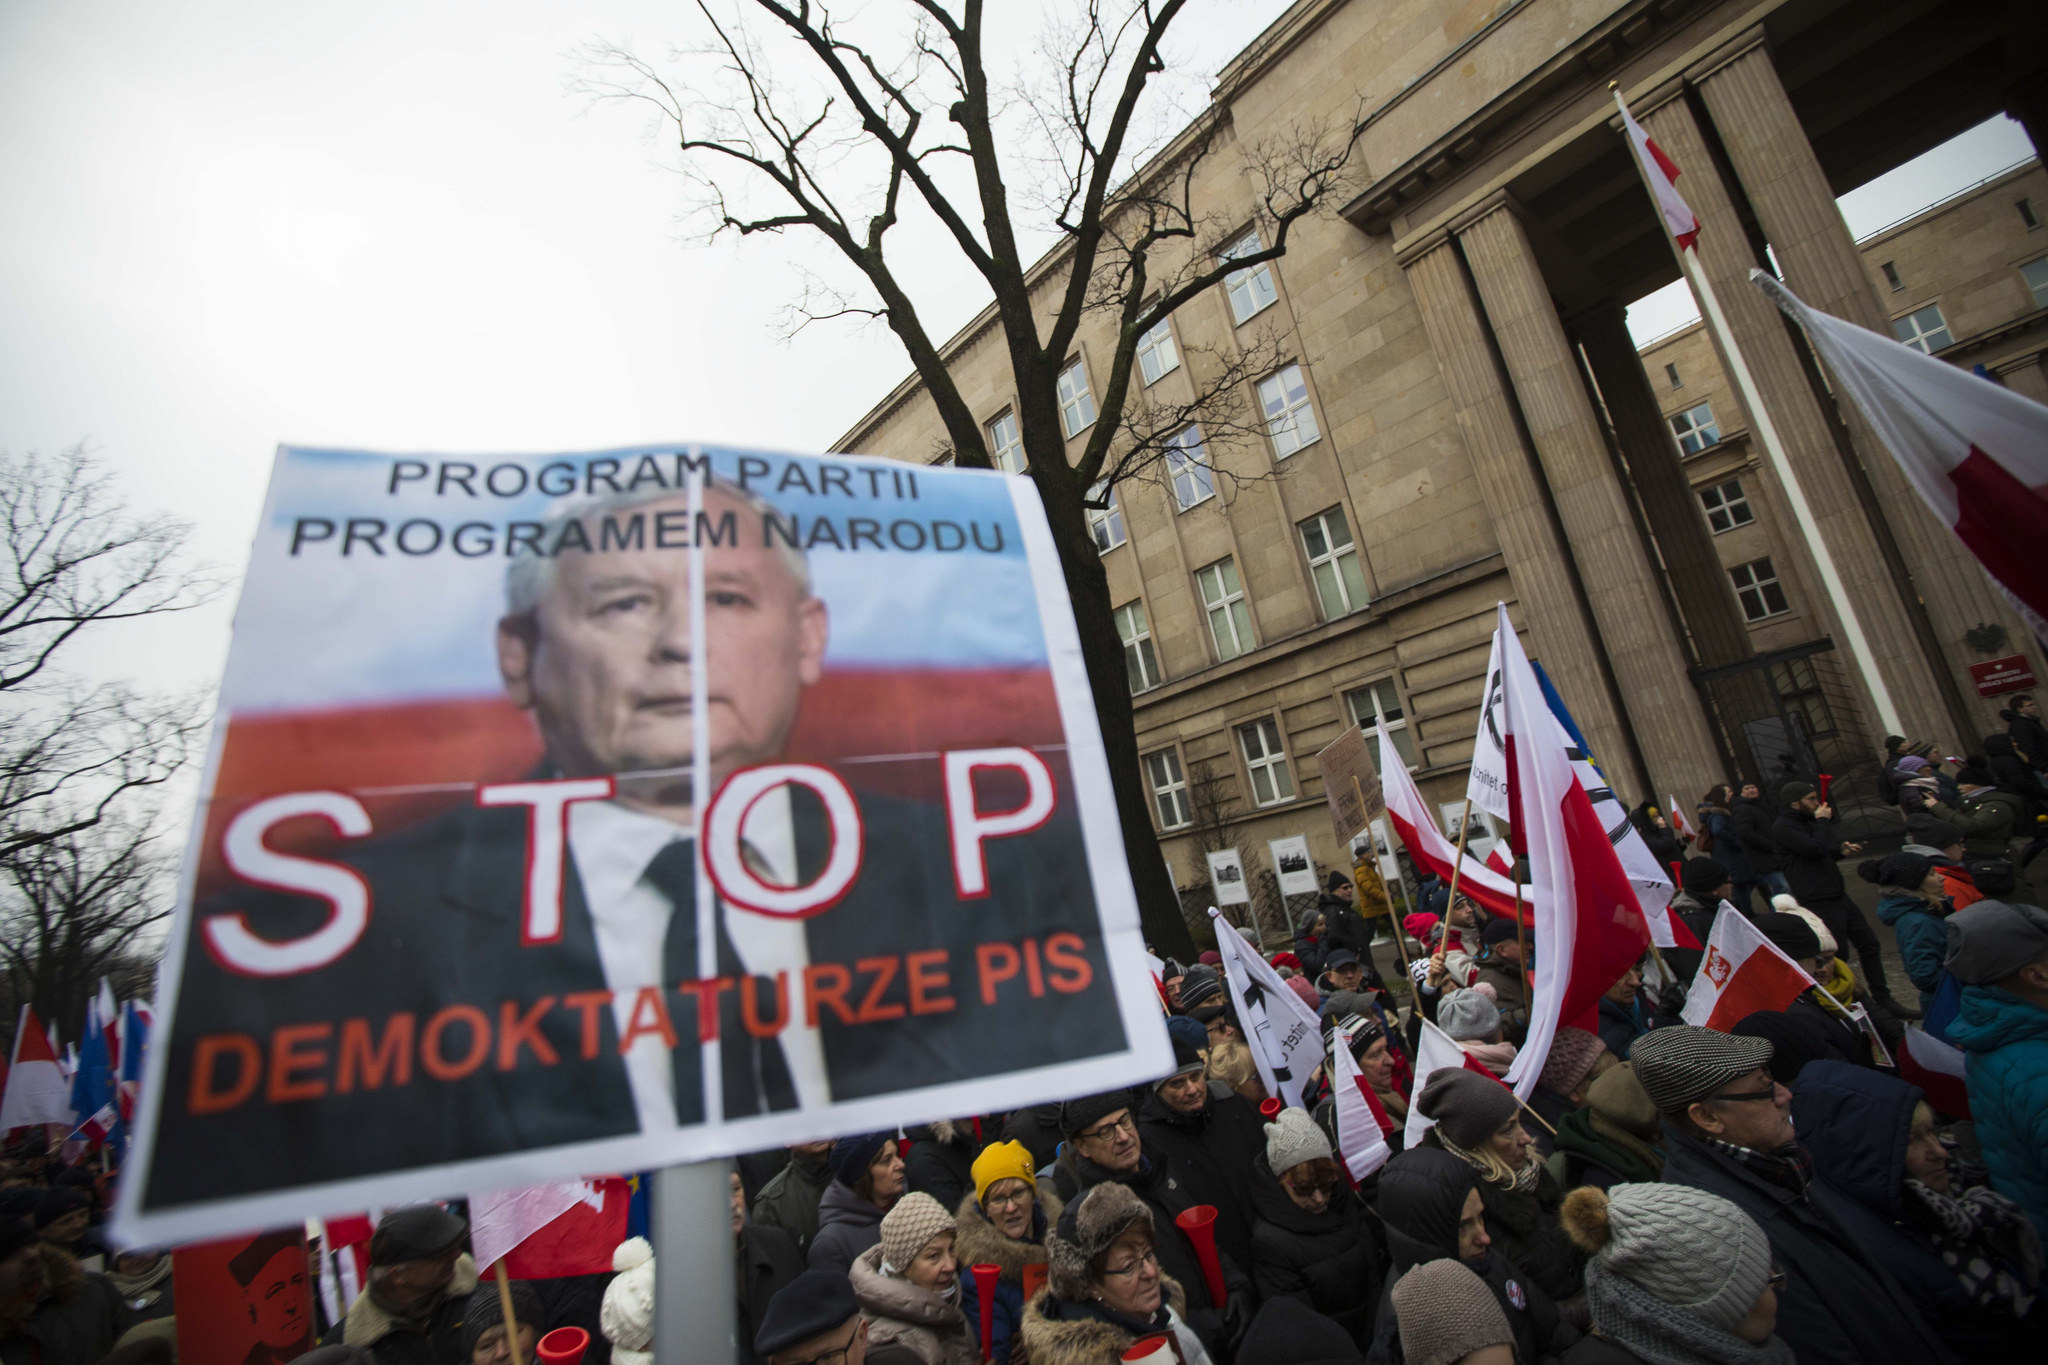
[(1785, 185), (1805, 427), (1539, 563), (1705, 595), (1650, 667)]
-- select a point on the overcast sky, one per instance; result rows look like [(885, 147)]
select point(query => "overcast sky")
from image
[(388, 226)]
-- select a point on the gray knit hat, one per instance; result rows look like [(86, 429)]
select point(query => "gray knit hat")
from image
[(1469, 1107), (1467, 1016), (1446, 1313), (1293, 1138), (1695, 1251), (1085, 1230), (1680, 1063), (916, 1219)]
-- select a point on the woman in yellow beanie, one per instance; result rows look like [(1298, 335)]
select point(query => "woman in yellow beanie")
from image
[(1003, 1224)]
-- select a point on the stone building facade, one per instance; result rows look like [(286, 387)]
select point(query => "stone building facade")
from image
[(1457, 415)]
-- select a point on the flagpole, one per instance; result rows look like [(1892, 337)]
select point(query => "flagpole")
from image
[(511, 1317), (1774, 451), (1443, 941), (1400, 947)]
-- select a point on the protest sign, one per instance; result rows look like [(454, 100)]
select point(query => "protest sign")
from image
[(1226, 878), (1351, 783), (447, 922), (244, 1301), (1291, 860)]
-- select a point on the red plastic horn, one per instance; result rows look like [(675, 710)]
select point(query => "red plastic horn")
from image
[(563, 1346), (1824, 779), (1269, 1109), (985, 1277), (1199, 1223)]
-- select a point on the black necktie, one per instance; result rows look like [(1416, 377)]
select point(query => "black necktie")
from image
[(754, 1072)]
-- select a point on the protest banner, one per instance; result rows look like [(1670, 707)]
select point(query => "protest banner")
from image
[(1226, 878), (447, 921), (1296, 868), (244, 1301), (1351, 783)]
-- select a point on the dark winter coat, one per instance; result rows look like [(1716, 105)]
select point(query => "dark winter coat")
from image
[(1922, 936), (977, 1242), (436, 1340), (1753, 817), (1991, 819), (1346, 928), (847, 1226), (1311, 949), (2030, 736), (1811, 850), (1038, 1128), (941, 1161), (1621, 1025), (1328, 1260), (1599, 1350), (1510, 995), (1159, 1185), (1856, 1122), (1211, 1151), (1695, 914), (2012, 772), (79, 1320), (2007, 1040), (1524, 1226), (768, 1260), (1719, 823), (1840, 1304), (789, 1200)]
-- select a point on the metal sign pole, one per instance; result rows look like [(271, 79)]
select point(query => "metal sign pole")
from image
[(696, 1300)]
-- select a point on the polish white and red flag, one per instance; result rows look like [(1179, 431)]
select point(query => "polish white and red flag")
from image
[(1362, 1122), (1414, 822), (1939, 1069), (1975, 451), (1588, 926), (1686, 833), (90, 1136), (1743, 972), (1660, 173), (1435, 1051), (543, 1232), (37, 1091)]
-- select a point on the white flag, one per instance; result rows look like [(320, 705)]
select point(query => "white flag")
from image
[(1360, 1139), (1285, 1036)]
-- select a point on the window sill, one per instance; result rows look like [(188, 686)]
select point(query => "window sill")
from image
[(1191, 506), (1241, 321)]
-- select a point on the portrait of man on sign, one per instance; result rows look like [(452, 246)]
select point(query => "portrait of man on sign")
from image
[(508, 938)]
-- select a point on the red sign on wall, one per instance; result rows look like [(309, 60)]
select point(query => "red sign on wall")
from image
[(1993, 676)]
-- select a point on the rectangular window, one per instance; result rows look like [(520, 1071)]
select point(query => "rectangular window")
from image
[(1695, 429), (1891, 276), (1251, 291), (1290, 419), (1135, 631), (2026, 210), (1005, 445), (1106, 522), (1077, 405), (1671, 372), (1756, 587), (1187, 466), (1727, 506), (1377, 701), (1924, 329), (1169, 789), (1266, 762), (1230, 619), (1157, 355), (1333, 564), (2035, 273)]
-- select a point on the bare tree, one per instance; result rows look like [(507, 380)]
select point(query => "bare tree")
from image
[(864, 133)]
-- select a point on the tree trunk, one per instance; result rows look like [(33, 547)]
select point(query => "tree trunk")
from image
[(1159, 910)]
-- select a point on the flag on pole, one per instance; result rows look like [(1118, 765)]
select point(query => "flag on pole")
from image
[(1362, 1122), (90, 1136), (1743, 972), (1939, 1068), (1435, 1051), (1498, 861), (36, 1090), (1589, 926), (136, 1021), (1686, 833), (92, 1079), (1660, 172), (1285, 1036), (1426, 844), (1975, 451), (542, 1232), (110, 1021)]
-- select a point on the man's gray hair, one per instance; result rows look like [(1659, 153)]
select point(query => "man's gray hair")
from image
[(529, 576)]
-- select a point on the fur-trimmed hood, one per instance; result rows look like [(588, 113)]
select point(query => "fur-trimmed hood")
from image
[(1081, 1339), (62, 1279), (910, 1316), (977, 1242), (367, 1324)]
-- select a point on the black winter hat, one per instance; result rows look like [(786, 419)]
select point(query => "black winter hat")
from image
[(814, 1303), (1335, 880), (1703, 876), (415, 1233), (1201, 986), (1078, 1116), (1975, 773), (486, 1310), (1904, 870), (1497, 930), (1795, 791), (1790, 935), (1289, 1332), (851, 1156), (1468, 1107)]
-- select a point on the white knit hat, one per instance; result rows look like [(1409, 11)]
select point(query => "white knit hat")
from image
[(1293, 1138), (627, 1314), (1786, 905)]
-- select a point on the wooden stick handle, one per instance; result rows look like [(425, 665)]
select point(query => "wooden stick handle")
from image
[(511, 1318), (1464, 828)]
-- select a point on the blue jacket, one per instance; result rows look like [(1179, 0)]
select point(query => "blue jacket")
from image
[(1728, 850), (2007, 1040), (1855, 1122), (1923, 938)]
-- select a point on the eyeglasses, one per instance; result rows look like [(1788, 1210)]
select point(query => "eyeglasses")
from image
[(1150, 1258), (1103, 1130), (1770, 1094), (1310, 1189), (1779, 1279), (837, 1357), (1020, 1195)]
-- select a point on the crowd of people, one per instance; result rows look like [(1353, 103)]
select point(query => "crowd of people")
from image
[(1669, 1193)]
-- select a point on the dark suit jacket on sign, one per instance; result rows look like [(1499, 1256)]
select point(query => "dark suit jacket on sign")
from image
[(444, 934)]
